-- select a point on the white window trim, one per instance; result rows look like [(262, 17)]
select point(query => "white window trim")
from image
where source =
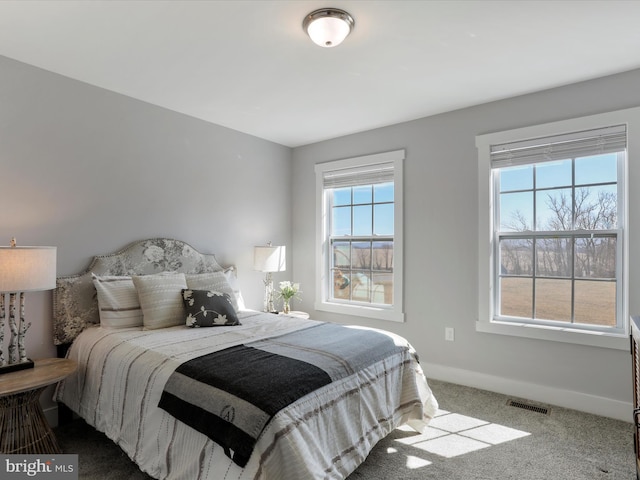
[(485, 322), (322, 303)]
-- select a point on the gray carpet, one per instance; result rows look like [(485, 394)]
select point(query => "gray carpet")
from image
[(476, 436)]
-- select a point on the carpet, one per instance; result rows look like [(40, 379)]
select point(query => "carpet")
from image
[(475, 436)]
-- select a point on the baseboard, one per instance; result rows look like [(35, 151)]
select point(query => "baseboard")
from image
[(583, 402)]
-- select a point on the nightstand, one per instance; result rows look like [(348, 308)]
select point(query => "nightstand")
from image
[(23, 426), (295, 313)]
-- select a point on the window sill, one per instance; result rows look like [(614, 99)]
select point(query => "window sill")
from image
[(555, 334), (361, 311)]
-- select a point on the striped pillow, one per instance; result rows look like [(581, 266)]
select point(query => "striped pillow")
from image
[(223, 281), (161, 299), (213, 281), (118, 302)]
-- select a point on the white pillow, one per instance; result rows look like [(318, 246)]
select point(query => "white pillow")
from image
[(232, 278), (161, 299), (118, 302), (223, 281)]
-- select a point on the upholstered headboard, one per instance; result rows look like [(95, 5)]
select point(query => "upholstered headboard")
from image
[(75, 304)]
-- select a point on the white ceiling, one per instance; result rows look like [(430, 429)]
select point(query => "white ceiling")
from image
[(248, 65)]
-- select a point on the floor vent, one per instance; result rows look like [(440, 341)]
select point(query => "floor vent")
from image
[(526, 406)]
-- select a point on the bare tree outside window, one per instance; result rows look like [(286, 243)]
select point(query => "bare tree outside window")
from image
[(557, 253), (362, 244)]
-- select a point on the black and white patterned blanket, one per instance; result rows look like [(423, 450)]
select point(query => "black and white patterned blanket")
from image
[(232, 394)]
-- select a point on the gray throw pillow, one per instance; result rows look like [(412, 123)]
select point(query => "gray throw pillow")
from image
[(208, 308)]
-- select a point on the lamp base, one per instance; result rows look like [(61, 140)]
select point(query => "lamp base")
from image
[(14, 367)]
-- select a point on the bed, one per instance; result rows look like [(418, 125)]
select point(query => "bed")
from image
[(258, 396)]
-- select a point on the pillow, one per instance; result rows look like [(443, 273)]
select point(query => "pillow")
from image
[(207, 308), (118, 302), (161, 299), (218, 282), (232, 279)]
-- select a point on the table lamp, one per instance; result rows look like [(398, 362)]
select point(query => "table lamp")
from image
[(269, 259), (22, 269)]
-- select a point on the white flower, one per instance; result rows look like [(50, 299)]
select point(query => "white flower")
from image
[(288, 290), (222, 319)]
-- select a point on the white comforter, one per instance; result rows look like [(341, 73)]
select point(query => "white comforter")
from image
[(324, 435)]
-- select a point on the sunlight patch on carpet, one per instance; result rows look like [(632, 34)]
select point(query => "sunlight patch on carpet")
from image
[(452, 434), (451, 445), (416, 462), (495, 434), (454, 422)]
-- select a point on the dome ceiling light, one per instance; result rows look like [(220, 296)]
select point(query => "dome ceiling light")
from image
[(328, 27)]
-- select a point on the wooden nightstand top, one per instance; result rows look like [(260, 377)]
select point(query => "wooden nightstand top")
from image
[(45, 372)]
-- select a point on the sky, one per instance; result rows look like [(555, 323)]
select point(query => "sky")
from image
[(366, 200), (552, 179)]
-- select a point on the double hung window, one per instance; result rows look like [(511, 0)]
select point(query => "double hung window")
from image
[(359, 220), (557, 230)]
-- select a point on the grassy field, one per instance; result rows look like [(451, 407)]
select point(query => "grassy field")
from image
[(595, 301)]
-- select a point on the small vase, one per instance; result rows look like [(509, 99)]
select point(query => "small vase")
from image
[(285, 306)]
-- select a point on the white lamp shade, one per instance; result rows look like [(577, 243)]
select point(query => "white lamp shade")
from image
[(328, 32), (269, 258), (27, 269), (328, 27)]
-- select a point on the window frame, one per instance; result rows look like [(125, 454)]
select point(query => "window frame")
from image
[(572, 235), (323, 301), (487, 249)]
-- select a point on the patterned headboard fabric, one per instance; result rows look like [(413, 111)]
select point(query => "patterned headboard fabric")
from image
[(75, 303)]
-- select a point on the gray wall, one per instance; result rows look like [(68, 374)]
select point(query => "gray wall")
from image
[(441, 253), (90, 171)]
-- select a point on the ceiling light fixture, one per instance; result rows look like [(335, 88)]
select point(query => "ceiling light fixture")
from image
[(328, 27)]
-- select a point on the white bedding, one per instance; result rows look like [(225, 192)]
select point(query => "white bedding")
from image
[(324, 435)]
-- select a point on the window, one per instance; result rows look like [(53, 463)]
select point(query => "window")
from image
[(360, 236), (556, 210)]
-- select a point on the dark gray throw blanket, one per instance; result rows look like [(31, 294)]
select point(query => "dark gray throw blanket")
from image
[(231, 395)]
